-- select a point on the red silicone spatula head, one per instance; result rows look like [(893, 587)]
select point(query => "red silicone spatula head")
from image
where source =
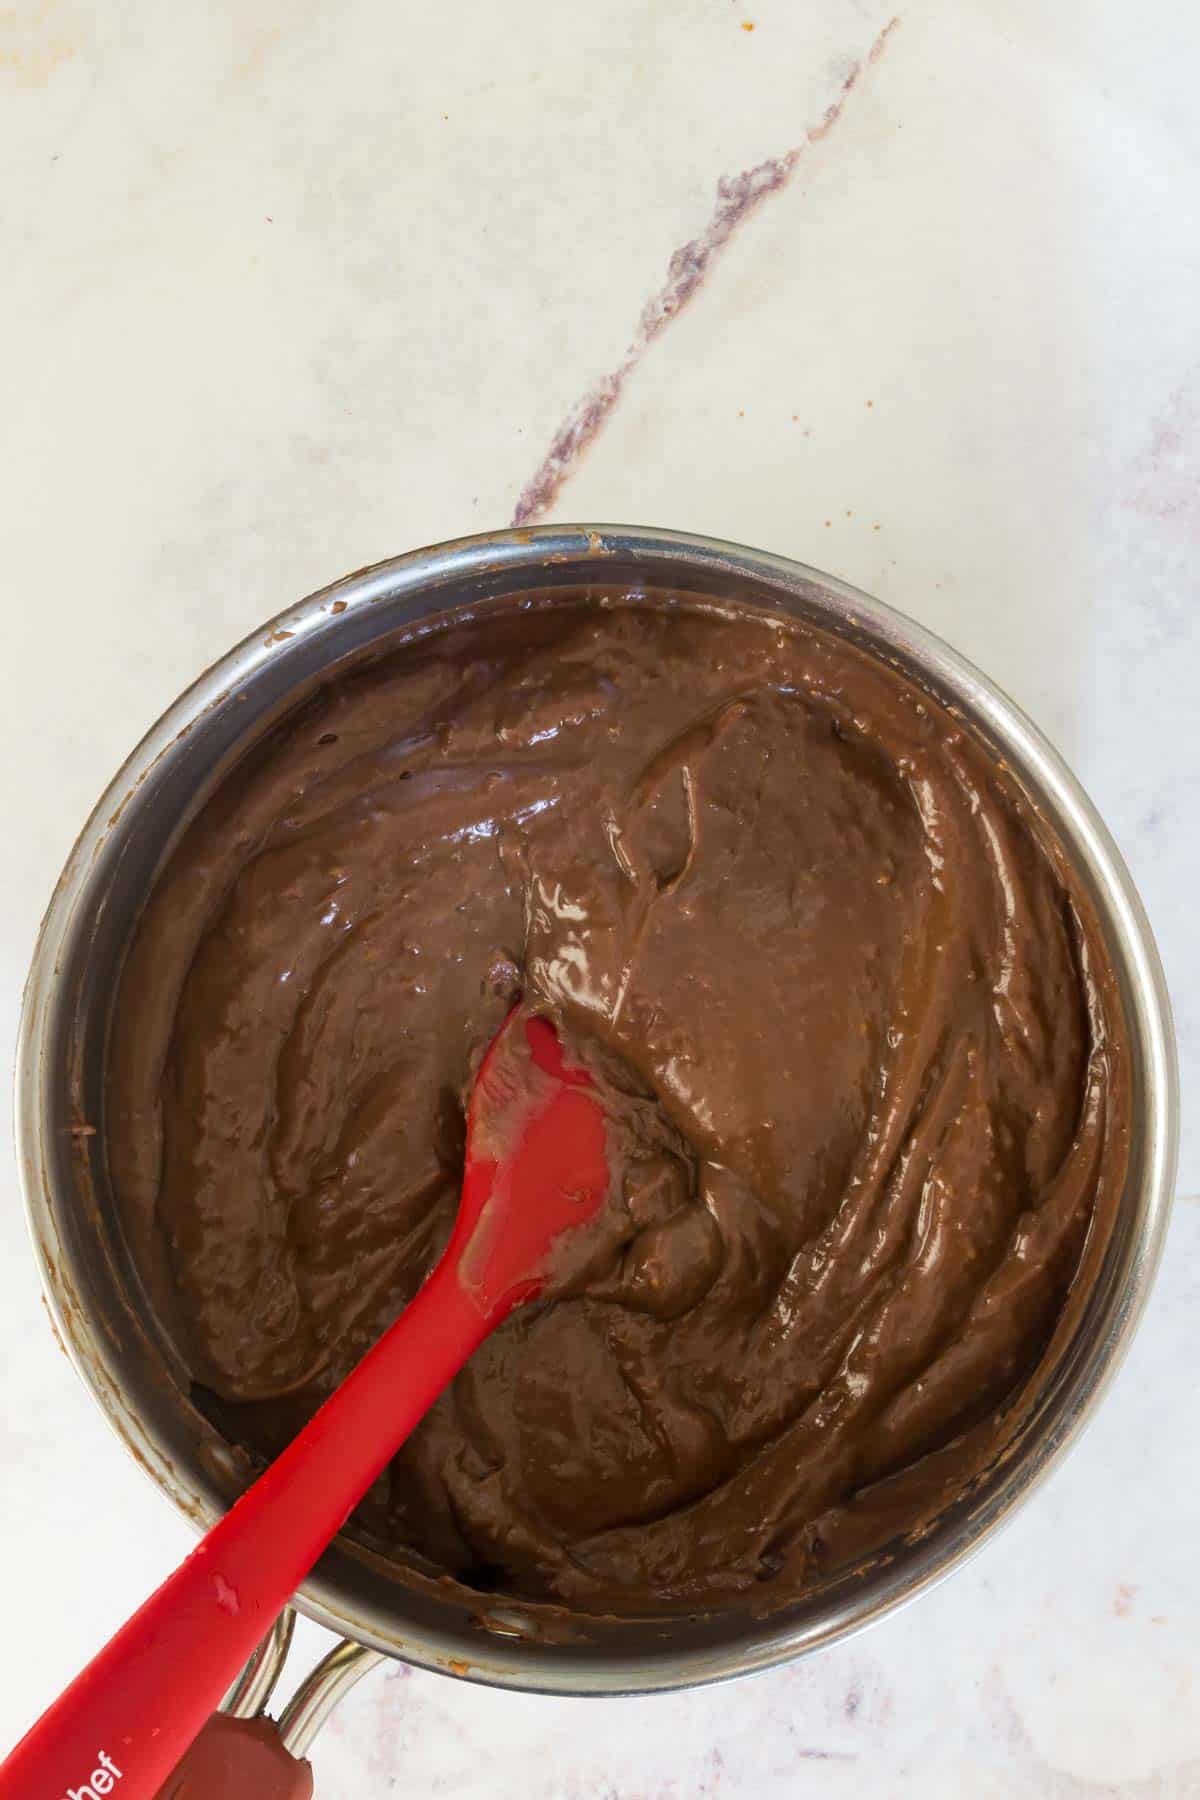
[(536, 1178), (536, 1164)]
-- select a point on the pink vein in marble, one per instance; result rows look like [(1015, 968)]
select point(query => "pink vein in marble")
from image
[(1165, 486), (737, 197)]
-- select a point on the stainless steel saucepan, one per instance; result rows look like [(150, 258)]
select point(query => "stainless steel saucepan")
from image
[(90, 1283)]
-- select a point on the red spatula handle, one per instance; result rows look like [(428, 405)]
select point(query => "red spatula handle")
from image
[(124, 1723)]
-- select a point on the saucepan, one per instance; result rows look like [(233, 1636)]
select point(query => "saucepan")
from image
[(92, 1287)]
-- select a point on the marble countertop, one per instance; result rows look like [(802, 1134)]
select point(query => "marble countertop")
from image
[(291, 287)]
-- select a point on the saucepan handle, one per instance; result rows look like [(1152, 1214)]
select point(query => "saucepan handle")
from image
[(241, 1753)]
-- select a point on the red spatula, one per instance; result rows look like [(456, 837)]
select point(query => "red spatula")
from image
[(536, 1168)]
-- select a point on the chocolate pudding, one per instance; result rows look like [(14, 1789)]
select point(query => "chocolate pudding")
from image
[(862, 1055)]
